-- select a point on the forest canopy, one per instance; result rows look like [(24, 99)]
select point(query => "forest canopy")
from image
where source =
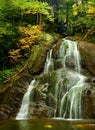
[(22, 23)]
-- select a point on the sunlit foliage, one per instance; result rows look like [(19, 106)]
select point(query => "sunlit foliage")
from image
[(16, 13), (84, 16), (31, 35)]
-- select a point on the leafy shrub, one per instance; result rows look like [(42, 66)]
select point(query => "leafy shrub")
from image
[(5, 74)]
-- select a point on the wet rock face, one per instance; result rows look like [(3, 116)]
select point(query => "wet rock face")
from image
[(88, 101), (87, 51), (38, 107), (42, 98)]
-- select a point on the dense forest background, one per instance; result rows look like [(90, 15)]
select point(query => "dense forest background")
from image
[(23, 23)]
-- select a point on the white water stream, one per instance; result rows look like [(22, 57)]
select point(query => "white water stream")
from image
[(68, 51), (23, 112), (49, 64), (71, 101)]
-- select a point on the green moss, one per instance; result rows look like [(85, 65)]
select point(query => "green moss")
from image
[(36, 53), (36, 50)]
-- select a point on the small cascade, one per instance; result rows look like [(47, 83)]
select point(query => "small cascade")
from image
[(58, 88), (71, 101), (23, 112), (49, 64), (69, 53), (77, 58)]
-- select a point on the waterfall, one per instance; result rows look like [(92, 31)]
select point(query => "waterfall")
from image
[(77, 58), (23, 112), (68, 83), (69, 53), (69, 103), (49, 64)]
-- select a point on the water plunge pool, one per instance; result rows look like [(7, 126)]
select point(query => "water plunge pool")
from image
[(47, 124)]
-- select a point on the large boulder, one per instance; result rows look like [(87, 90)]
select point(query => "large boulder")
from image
[(87, 51)]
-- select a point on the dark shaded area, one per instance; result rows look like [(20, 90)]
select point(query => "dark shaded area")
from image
[(62, 28), (57, 26), (53, 3)]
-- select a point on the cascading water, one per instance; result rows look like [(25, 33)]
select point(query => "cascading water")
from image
[(69, 53), (23, 112), (70, 102), (68, 88), (49, 64)]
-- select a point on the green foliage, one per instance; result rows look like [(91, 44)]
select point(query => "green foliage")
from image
[(84, 18), (31, 35), (5, 74), (78, 16), (16, 13)]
